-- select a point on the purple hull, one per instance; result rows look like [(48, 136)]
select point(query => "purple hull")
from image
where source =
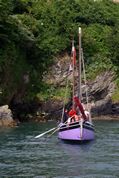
[(75, 133)]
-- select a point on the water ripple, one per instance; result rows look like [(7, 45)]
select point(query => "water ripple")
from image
[(21, 155)]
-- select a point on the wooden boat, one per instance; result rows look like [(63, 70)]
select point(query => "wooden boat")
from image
[(83, 129), (77, 131)]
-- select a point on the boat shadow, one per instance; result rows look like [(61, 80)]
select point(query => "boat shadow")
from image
[(74, 146), (77, 142)]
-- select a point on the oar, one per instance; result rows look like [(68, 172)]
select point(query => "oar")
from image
[(54, 131), (38, 136), (57, 128)]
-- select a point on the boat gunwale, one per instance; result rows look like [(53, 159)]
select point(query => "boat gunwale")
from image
[(75, 125)]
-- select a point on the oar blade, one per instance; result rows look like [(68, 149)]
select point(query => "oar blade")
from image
[(38, 136)]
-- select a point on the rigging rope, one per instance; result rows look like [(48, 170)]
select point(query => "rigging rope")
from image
[(66, 90), (85, 81)]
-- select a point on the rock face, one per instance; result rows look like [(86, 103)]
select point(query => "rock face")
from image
[(6, 116), (58, 72), (99, 91)]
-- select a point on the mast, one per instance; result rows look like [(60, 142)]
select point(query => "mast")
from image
[(73, 72), (79, 67)]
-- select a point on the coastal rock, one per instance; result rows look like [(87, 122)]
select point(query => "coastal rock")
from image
[(6, 116), (100, 90), (100, 93), (103, 86)]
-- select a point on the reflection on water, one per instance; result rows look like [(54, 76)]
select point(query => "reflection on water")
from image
[(21, 155)]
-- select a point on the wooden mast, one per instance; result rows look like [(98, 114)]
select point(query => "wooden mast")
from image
[(73, 72), (79, 67)]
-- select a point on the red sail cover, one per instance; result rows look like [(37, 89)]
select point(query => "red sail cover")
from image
[(78, 103)]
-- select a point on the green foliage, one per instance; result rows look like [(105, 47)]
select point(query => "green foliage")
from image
[(32, 33), (50, 92), (96, 51), (113, 44), (6, 8), (115, 96)]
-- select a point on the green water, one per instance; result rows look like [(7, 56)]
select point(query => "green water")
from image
[(21, 155)]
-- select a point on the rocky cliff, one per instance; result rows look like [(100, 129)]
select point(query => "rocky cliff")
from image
[(100, 90)]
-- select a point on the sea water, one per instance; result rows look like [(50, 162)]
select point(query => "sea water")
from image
[(24, 156)]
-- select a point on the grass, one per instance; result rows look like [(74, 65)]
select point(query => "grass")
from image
[(115, 96), (54, 94)]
